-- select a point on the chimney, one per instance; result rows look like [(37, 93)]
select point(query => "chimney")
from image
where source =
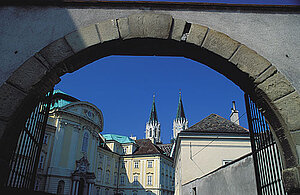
[(234, 116)]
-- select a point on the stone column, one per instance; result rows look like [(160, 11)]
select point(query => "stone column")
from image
[(75, 185)]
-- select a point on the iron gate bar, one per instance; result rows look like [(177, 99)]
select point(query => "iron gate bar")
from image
[(25, 159), (267, 162)]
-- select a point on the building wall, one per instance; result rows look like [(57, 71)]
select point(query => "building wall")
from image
[(65, 134), (200, 155), (237, 178)]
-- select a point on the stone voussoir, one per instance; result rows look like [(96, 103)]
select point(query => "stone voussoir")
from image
[(108, 30), (289, 108), (266, 74), (275, 87), (291, 179), (145, 25), (83, 38), (28, 74), (219, 43), (10, 99), (196, 34), (56, 52), (177, 30), (249, 62), (3, 125)]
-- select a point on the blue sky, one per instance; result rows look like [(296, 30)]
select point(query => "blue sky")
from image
[(122, 87)]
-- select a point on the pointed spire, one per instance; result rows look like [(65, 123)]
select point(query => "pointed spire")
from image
[(153, 114), (180, 111)]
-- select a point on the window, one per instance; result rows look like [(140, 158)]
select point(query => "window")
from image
[(150, 164), (85, 142), (135, 180), (106, 192), (41, 163), (124, 150), (115, 179), (123, 165), (134, 193), (194, 191), (116, 164), (122, 179), (45, 141), (136, 164), (226, 162), (149, 180), (107, 177), (37, 185), (60, 187), (162, 180), (99, 174)]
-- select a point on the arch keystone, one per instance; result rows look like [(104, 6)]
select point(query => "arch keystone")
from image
[(145, 25), (83, 38), (249, 61), (108, 30), (220, 44)]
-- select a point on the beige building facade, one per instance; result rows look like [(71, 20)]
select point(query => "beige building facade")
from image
[(207, 145), (77, 159)]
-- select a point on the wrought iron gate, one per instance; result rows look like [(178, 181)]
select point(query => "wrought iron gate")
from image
[(267, 162), (24, 162)]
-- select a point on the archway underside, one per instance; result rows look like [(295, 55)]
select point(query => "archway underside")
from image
[(157, 34)]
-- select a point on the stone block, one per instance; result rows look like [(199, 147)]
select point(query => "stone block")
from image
[(2, 127), (108, 30), (178, 28), (289, 109), (28, 74), (83, 38), (249, 61), (196, 34), (275, 87), (296, 137), (291, 179), (268, 73), (123, 24), (145, 25), (56, 52), (10, 99), (220, 44)]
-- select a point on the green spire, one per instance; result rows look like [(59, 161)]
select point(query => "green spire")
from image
[(180, 111), (153, 114)]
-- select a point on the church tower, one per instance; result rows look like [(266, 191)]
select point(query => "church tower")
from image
[(180, 123), (153, 126)]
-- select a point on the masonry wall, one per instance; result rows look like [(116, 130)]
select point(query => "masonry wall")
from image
[(237, 178)]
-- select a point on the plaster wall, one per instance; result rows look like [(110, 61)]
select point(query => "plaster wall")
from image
[(237, 178), (200, 156), (26, 30)]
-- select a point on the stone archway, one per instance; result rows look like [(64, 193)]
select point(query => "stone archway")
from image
[(158, 34)]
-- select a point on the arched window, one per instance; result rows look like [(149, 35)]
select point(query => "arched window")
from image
[(85, 142), (60, 187)]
